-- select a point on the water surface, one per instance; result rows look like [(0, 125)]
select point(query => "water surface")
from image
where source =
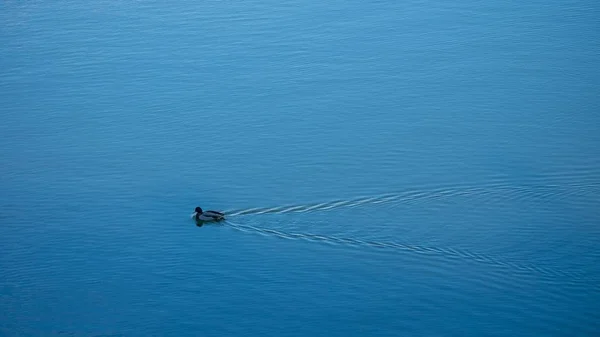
[(415, 168)]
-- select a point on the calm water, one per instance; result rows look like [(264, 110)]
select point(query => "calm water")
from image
[(416, 168)]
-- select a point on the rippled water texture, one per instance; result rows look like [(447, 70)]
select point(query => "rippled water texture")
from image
[(387, 168)]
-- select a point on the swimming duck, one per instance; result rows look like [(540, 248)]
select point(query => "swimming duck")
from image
[(207, 216)]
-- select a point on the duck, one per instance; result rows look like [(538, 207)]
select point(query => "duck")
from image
[(206, 216)]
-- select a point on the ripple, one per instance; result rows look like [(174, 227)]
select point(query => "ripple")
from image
[(575, 277), (503, 190)]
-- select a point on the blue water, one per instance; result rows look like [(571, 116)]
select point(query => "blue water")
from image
[(416, 168)]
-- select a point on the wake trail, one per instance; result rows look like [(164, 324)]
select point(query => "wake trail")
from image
[(507, 192), (448, 252)]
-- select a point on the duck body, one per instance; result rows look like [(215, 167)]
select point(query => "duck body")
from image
[(206, 216), (210, 216)]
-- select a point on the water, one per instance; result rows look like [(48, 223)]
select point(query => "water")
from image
[(390, 168)]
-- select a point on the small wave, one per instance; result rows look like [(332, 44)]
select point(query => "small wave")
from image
[(505, 191), (447, 252)]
